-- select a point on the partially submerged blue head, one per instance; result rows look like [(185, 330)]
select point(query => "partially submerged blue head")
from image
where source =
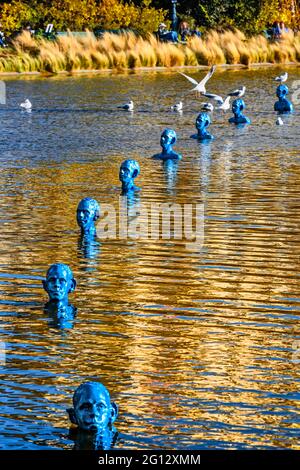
[(238, 106), (129, 170), (92, 409), (88, 211), (59, 282), (203, 120), (167, 139), (282, 91)]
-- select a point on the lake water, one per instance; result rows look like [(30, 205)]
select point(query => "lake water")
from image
[(200, 348)]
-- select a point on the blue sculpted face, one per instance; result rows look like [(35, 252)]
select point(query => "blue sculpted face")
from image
[(88, 211), (167, 139), (237, 107), (93, 411), (202, 121), (129, 170), (59, 282), (283, 105), (282, 91)]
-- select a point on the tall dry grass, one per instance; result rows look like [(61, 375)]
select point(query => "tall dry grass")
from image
[(71, 53)]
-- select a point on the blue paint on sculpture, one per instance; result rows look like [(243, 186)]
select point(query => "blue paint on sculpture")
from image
[(60, 315), (237, 108), (88, 211), (129, 170), (93, 441), (283, 106), (93, 413), (202, 122), (58, 284), (167, 140)]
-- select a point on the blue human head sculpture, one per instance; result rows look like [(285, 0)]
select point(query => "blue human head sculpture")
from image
[(59, 282), (93, 410), (283, 105), (238, 106), (167, 140), (88, 211), (202, 122), (282, 91), (129, 170)]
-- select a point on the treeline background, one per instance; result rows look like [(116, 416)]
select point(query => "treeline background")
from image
[(250, 16)]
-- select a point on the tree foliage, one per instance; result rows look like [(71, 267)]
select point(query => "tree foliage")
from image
[(251, 16)]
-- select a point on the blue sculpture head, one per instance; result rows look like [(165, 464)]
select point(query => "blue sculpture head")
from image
[(88, 211), (59, 282), (283, 105), (282, 91), (202, 122), (129, 170), (238, 107), (167, 139), (92, 409)]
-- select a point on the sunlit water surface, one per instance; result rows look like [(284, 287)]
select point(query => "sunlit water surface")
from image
[(200, 348)]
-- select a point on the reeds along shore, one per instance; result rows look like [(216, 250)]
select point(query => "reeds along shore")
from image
[(71, 53)]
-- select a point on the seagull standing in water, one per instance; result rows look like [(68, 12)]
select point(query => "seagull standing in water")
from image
[(282, 78), (128, 106), (200, 86), (238, 93), (207, 107), (26, 105), (177, 106), (279, 121)]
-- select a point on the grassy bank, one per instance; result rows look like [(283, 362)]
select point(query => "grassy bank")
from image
[(71, 53)]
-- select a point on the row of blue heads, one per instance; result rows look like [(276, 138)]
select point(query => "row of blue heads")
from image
[(88, 210), (93, 411)]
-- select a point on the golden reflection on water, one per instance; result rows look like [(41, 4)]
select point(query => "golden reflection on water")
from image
[(196, 347)]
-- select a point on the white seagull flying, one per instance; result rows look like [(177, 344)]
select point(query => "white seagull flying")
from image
[(214, 97), (225, 105), (26, 105), (200, 86), (282, 78), (128, 106)]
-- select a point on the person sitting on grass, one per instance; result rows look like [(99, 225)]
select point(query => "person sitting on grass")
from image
[(184, 30), (165, 35)]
